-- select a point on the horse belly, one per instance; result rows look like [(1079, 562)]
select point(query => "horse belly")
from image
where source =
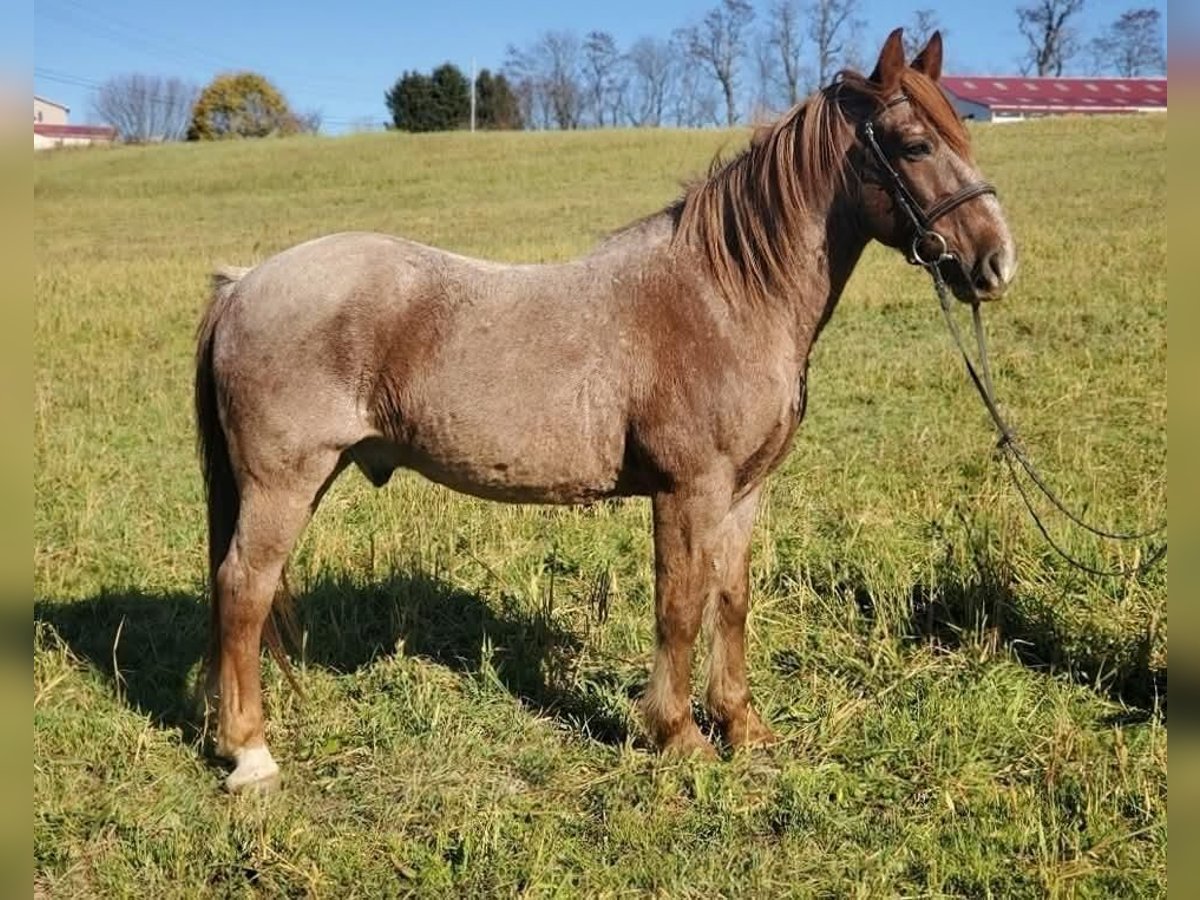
[(535, 451)]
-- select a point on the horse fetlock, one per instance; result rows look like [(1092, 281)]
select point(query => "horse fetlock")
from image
[(255, 772)]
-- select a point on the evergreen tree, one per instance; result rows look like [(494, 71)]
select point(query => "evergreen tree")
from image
[(410, 101), (451, 97), (496, 105), (437, 102)]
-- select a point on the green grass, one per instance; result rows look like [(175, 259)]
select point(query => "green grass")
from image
[(961, 713)]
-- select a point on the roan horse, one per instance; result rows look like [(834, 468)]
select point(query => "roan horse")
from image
[(670, 362)]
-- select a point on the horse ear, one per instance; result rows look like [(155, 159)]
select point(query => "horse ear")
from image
[(929, 60), (891, 61)]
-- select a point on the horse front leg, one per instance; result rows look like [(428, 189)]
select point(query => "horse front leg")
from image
[(687, 543), (725, 620)]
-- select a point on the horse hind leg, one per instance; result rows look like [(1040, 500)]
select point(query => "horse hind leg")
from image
[(270, 519)]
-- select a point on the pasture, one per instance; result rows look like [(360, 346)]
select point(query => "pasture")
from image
[(960, 712)]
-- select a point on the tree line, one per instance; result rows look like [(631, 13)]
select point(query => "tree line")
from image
[(441, 101), (734, 63), (742, 62)]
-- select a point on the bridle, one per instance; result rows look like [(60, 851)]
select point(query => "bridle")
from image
[(922, 220), (924, 237)]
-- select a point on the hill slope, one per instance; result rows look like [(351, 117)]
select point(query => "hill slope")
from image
[(960, 712)]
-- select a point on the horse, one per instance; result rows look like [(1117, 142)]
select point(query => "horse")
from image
[(670, 362)]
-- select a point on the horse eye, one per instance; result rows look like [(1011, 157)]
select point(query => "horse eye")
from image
[(918, 150)]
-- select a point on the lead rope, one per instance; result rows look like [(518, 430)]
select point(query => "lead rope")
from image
[(1011, 449)]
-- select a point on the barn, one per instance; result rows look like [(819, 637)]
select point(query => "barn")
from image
[(988, 98)]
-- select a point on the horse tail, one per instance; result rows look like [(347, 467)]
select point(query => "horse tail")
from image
[(220, 486), (221, 492)]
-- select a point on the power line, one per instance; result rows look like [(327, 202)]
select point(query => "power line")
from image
[(128, 36)]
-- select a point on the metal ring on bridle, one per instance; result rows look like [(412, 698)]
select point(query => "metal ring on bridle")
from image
[(942, 254)]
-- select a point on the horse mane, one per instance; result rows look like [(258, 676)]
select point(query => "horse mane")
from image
[(747, 216)]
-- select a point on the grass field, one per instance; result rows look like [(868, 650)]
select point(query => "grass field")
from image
[(961, 713)]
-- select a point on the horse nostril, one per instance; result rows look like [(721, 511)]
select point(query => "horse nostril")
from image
[(990, 272)]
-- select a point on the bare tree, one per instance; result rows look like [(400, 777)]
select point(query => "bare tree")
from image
[(546, 80), (786, 39), (919, 30), (653, 69), (693, 103), (1132, 45), (1046, 27), (310, 122), (718, 44), (766, 99), (521, 72), (559, 53), (146, 107), (602, 75), (832, 26)]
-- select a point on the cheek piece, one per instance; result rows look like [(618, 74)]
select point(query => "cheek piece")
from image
[(928, 247)]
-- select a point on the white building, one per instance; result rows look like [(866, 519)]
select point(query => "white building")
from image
[(51, 129)]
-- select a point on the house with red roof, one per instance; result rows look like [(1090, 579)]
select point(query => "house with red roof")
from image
[(51, 129), (989, 98)]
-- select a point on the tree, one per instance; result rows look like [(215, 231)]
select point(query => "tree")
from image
[(1132, 45), (1046, 27), (558, 52), (310, 122), (520, 74), (718, 44), (496, 106), (241, 104), (832, 25), (767, 80), (437, 102), (410, 102), (918, 32), (146, 107), (601, 70), (546, 79), (652, 71), (694, 102), (786, 40), (451, 97)]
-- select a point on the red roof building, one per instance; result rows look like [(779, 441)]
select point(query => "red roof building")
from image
[(46, 135), (987, 97)]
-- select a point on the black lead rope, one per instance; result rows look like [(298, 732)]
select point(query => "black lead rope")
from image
[(922, 221), (1011, 449)]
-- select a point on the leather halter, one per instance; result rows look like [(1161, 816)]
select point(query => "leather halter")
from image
[(922, 219)]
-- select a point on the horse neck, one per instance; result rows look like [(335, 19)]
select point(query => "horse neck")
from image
[(843, 240), (778, 262), (824, 257)]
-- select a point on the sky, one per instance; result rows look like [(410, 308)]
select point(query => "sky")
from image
[(339, 58)]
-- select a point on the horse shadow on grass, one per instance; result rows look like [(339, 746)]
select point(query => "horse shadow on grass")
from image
[(983, 610), (148, 645)]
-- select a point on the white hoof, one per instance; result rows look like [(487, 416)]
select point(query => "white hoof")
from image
[(256, 772)]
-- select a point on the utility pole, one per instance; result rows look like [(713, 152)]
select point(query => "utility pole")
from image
[(472, 95)]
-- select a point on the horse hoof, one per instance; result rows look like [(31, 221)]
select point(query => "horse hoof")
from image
[(758, 733), (689, 742), (256, 773), (748, 732)]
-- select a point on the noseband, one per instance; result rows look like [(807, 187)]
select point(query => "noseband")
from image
[(922, 220)]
